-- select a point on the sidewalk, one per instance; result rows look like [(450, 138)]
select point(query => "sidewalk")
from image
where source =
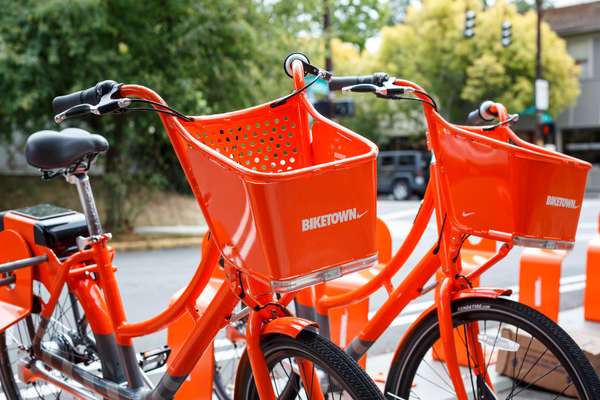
[(571, 320)]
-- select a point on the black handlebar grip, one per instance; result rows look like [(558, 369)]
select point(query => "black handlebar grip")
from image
[(339, 82), (87, 96), (475, 119), (90, 96), (481, 116)]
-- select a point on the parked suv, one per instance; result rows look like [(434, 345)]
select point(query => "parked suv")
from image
[(402, 173)]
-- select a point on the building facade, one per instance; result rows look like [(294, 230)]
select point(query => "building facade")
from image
[(578, 128)]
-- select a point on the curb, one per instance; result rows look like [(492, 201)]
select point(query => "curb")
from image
[(157, 244)]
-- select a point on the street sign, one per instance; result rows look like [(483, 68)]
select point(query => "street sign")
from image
[(344, 107), (542, 94), (341, 107), (319, 88)]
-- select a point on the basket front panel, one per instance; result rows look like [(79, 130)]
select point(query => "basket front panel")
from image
[(549, 195), (317, 221), (227, 208), (476, 180), (269, 140)]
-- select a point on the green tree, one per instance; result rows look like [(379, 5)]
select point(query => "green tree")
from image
[(352, 21), (201, 56), (430, 48)]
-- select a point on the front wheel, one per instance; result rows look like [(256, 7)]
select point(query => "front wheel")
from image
[(338, 375), (525, 356)]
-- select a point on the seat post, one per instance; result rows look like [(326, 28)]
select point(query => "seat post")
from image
[(86, 197)]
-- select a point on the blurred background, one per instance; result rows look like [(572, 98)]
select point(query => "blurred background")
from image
[(208, 57)]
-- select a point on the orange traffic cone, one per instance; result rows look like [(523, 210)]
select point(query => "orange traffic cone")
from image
[(592, 280), (539, 280), (199, 384)]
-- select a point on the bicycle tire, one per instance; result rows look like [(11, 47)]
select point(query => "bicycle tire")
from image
[(404, 369), (345, 373)]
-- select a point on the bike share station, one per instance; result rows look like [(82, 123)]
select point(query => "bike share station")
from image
[(294, 252)]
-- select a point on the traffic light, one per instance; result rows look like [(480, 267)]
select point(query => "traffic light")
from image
[(469, 24), (548, 129), (506, 33)]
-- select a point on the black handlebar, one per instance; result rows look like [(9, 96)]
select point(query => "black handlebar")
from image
[(339, 82), (482, 115), (89, 96)]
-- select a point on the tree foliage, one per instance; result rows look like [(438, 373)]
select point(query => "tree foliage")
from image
[(208, 57), (352, 21), (430, 48), (201, 56)]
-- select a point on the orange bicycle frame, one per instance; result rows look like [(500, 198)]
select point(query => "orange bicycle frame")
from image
[(90, 276), (104, 310), (443, 254)]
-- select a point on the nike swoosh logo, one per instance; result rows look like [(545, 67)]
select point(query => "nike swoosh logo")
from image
[(361, 215), (468, 214)]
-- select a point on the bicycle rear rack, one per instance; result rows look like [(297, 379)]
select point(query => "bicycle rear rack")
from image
[(11, 266)]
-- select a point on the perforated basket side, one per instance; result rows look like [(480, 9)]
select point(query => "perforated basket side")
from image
[(263, 139)]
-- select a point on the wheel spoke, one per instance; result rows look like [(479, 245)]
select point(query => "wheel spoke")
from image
[(538, 379), (562, 391), (516, 328), (438, 374), (443, 364), (434, 384)]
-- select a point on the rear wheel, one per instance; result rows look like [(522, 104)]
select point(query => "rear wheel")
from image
[(67, 335), (526, 355), (338, 375)]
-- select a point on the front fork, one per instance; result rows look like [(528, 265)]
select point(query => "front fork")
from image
[(476, 356), (259, 327)]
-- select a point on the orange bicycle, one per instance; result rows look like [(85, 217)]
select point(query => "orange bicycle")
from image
[(261, 176), (487, 182)]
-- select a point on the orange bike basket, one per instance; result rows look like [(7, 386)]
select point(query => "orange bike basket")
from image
[(278, 186)]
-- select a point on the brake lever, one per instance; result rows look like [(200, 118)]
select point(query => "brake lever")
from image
[(105, 107), (75, 111), (388, 90), (113, 106), (360, 88)]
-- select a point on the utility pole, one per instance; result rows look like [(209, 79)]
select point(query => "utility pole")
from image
[(328, 51), (327, 35), (539, 137)]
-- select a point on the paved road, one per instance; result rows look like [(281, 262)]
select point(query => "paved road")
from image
[(148, 279)]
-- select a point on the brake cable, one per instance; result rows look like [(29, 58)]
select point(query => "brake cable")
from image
[(296, 92), (431, 103), (510, 120), (167, 109)]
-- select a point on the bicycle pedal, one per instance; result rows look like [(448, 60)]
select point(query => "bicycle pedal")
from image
[(154, 359)]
